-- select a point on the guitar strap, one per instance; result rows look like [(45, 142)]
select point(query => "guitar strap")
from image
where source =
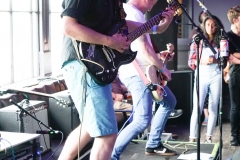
[(149, 84)]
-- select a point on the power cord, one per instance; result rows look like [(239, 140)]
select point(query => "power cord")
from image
[(57, 146), (13, 155)]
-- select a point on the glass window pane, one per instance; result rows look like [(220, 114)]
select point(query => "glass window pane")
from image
[(55, 5), (5, 49), (35, 43), (5, 5), (22, 46), (21, 5), (35, 5), (56, 41)]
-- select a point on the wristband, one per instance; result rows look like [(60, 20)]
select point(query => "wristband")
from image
[(154, 29), (164, 68)]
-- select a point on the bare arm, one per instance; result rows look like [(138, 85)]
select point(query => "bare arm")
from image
[(148, 52), (77, 31), (161, 27), (237, 55), (233, 59)]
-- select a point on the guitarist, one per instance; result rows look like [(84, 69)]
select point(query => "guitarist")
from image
[(88, 21), (141, 95)]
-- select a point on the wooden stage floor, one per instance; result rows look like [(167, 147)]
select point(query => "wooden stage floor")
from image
[(136, 151)]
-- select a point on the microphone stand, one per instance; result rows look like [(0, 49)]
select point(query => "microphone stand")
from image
[(224, 36), (22, 110), (201, 35)]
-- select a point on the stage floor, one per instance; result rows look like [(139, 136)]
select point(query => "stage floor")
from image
[(136, 151)]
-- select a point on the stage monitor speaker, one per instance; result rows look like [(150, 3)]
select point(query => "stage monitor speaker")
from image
[(60, 118), (10, 120), (182, 87)]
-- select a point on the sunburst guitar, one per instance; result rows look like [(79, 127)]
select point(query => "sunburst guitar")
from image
[(158, 78), (103, 62)]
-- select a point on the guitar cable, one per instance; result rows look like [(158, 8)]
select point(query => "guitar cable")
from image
[(153, 86), (82, 108)]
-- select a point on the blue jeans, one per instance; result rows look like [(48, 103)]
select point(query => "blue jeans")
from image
[(142, 102), (160, 118), (209, 81)]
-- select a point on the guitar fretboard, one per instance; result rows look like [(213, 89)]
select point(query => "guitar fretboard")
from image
[(145, 27)]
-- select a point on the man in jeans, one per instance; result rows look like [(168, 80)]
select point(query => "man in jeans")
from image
[(141, 95)]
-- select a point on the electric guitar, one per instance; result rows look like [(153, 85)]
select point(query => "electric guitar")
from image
[(156, 77), (103, 62)]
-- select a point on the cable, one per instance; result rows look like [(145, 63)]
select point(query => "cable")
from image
[(5, 148), (57, 146), (13, 155)]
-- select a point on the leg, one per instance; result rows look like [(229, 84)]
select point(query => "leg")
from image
[(214, 96), (70, 149), (205, 110), (95, 107), (159, 120), (142, 102), (154, 145), (234, 89), (194, 118), (102, 147)]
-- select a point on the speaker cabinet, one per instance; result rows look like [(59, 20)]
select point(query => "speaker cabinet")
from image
[(182, 87), (60, 118), (10, 120)]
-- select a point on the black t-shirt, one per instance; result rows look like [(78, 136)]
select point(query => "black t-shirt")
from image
[(99, 15), (234, 69)]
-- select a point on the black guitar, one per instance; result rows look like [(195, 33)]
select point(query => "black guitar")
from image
[(103, 62)]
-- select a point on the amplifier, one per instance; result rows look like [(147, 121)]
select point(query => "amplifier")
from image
[(10, 120), (63, 118)]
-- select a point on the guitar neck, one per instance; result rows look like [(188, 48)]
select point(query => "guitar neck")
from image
[(145, 27), (149, 24)]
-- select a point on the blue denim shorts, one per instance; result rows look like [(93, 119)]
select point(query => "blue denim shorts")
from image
[(97, 115)]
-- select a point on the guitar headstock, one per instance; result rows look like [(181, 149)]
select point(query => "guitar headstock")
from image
[(175, 6)]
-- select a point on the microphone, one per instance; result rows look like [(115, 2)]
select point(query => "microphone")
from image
[(47, 132), (224, 52)]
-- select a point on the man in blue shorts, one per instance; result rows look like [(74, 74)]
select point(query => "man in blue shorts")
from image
[(88, 21)]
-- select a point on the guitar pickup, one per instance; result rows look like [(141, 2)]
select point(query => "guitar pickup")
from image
[(106, 54), (113, 55)]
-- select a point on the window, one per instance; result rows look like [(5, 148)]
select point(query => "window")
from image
[(21, 38), (56, 34)]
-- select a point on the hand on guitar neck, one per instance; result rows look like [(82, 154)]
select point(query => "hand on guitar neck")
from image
[(166, 56), (160, 78)]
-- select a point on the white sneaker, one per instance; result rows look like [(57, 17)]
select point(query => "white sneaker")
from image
[(208, 140)]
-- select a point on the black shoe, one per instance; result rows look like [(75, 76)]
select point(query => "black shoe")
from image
[(160, 150), (234, 141), (175, 113)]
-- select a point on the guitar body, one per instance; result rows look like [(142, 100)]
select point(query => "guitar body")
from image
[(103, 62), (154, 76)]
